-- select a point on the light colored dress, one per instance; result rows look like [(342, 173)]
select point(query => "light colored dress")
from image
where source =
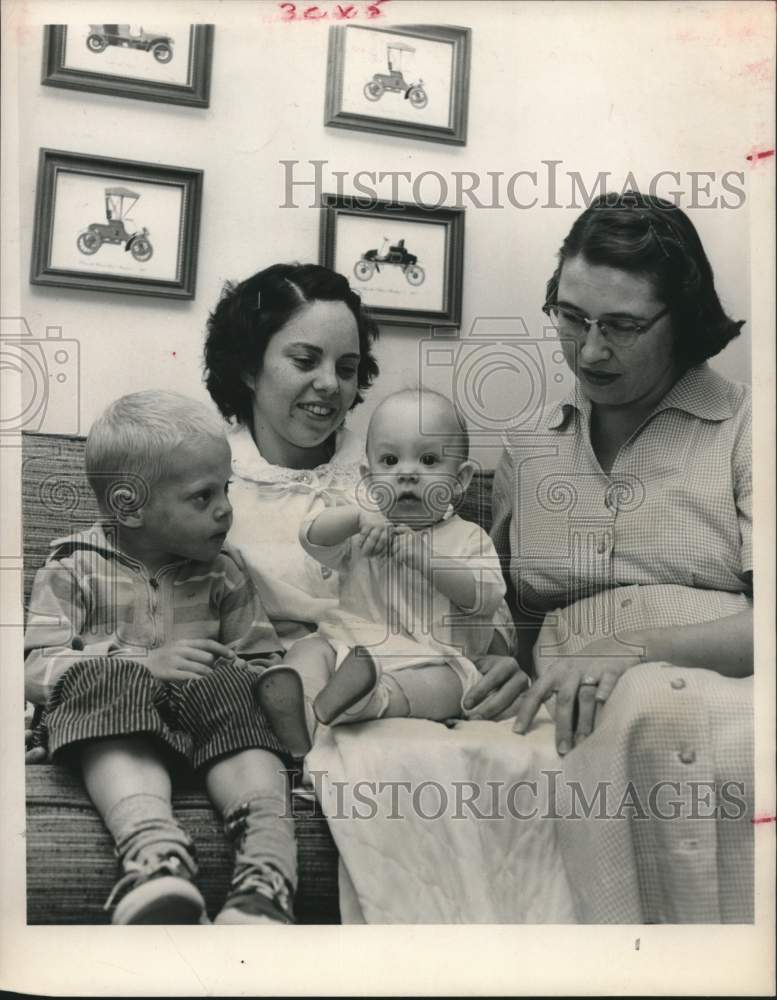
[(664, 539), (397, 613), (270, 503)]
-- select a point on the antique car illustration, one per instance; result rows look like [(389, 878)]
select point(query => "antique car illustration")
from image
[(102, 35), (118, 202), (394, 80), (370, 262)]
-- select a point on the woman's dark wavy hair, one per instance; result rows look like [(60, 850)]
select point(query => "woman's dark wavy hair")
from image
[(649, 236), (248, 315)]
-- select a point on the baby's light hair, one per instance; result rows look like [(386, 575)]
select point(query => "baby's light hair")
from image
[(418, 393), (130, 443)]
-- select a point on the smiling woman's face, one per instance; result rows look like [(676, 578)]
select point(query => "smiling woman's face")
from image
[(307, 384), (640, 374)]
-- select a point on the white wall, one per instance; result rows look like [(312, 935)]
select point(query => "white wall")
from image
[(601, 87)]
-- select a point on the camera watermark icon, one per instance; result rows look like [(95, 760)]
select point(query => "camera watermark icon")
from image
[(499, 375), (41, 379)]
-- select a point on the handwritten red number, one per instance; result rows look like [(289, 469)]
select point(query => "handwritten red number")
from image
[(341, 12)]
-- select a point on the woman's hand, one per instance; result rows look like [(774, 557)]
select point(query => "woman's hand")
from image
[(498, 692), (583, 684)]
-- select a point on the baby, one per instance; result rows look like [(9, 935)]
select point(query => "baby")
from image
[(419, 586), (139, 642)]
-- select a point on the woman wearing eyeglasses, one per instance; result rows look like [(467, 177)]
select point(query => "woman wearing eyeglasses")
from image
[(626, 520)]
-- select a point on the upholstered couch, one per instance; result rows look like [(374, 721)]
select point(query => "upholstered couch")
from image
[(71, 867)]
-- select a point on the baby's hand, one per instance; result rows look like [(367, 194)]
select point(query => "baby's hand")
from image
[(411, 548), (375, 534), (186, 659)]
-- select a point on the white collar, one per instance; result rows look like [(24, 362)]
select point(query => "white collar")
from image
[(248, 463)]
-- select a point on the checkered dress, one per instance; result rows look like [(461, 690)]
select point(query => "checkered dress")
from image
[(664, 539)]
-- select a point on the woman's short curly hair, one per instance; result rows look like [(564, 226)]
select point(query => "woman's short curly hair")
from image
[(646, 235), (249, 313)]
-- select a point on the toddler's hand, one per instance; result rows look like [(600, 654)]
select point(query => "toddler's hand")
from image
[(33, 754), (375, 534), (186, 659), (411, 548)]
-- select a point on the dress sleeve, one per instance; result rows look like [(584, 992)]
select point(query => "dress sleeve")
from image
[(333, 556), (742, 461), (244, 625), (55, 621), (502, 507)]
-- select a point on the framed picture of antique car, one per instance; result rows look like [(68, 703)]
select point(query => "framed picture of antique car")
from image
[(404, 260), (116, 225), (170, 64), (411, 81)]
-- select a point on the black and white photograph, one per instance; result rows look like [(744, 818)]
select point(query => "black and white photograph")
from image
[(116, 225), (387, 443), (170, 63), (412, 81), (405, 259)]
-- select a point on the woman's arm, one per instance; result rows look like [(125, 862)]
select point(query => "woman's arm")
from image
[(585, 681), (725, 645)]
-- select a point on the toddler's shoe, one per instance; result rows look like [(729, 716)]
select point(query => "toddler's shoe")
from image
[(259, 894), (157, 890), (353, 681), (282, 699)]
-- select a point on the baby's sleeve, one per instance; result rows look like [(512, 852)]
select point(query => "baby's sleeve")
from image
[(479, 554), (475, 626), (333, 556)]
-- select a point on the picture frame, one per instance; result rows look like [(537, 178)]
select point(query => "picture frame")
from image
[(367, 89), (89, 229), (406, 261), (172, 67)]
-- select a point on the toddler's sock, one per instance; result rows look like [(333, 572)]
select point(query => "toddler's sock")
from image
[(159, 863), (261, 828)]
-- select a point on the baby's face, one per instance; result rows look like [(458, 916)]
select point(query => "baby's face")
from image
[(413, 476)]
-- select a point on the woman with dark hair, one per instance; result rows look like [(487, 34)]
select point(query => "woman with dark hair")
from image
[(626, 524), (287, 356)]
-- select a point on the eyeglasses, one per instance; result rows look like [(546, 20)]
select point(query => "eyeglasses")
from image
[(617, 332)]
